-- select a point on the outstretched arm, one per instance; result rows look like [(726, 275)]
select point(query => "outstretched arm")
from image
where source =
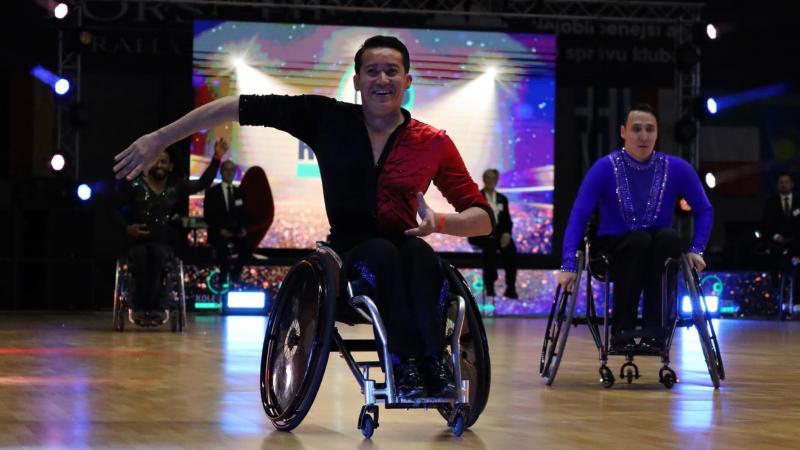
[(142, 154)]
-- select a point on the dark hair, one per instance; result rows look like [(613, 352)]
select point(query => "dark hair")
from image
[(642, 107), (785, 173), (488, 171), (383, 42)]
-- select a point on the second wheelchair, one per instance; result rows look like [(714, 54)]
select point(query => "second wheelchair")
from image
[(562, 317)]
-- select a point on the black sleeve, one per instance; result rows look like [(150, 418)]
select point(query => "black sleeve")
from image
[(298, 115), (210, 210), (204, 182)]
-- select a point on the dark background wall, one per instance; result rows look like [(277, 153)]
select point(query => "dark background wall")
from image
[(58, 254)]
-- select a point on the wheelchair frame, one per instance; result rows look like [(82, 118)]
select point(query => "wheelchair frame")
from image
[(562, 316), (472, 387), (123, 310)]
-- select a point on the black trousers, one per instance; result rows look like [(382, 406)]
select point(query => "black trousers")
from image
[(637, 264), (491, 254), (405, 279), (147, 265), (228, 265)]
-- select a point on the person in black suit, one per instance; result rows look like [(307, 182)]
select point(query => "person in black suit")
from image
[(225, 214), (499, 244), (782, 228)]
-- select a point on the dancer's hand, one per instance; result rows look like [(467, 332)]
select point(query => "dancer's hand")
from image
[(566, 280), (696, 261), (430, 220), (138, 158), (220, 148)]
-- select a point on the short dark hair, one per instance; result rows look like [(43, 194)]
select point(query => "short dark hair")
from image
[(785, 173), (383, 42), (494, 171), (642, 107)]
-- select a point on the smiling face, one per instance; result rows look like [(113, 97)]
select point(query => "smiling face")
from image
[(640, 133), (382, 80), (162, 167)]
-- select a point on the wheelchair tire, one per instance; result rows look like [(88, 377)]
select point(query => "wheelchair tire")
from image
[(557, 330), (475, 365), (118, 319), (297, 341), (702, 322)]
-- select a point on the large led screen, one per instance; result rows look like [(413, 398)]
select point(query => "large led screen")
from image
[(494, 94)]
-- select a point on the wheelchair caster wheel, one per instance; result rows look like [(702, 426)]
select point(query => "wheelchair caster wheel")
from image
[(368, 420), (458, 425), (667, 377), (368, 426), (606, 377)]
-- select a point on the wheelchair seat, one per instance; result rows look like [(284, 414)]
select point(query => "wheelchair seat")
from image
[(302, 332)]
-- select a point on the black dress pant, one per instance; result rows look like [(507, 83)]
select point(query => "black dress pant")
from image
[(147, 265), (491, 254), (405, 279), (227, 265), (637, 264)]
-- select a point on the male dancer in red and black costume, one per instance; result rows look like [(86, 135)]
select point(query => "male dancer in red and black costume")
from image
[(375, 163)]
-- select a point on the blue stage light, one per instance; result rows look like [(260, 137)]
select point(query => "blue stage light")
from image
[(84, 192), (711, 105)]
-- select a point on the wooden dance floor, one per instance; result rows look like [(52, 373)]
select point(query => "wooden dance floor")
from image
[(69, 381)]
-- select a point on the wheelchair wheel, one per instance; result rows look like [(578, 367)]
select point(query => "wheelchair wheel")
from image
[(557, 329), (475, 366), (297, 341), (702, 322), (118, 319)]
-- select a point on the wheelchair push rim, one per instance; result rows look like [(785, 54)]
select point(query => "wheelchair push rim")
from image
[(558, 326), (475, 364), (297, 341), (702, 322)]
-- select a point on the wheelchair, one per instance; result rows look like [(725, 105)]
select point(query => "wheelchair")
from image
[(172, 292), (302, 332), (562, 317)]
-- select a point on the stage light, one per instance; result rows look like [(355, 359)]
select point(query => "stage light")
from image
[(61, 10), (239, 63), (711, 180), (57, 162), (246, 300), (711, 105), (757, 234), (711, 31), (84, 192), (492, 72), (712, 302), (61, 86)]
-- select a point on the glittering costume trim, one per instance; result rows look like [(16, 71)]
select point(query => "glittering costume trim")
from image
[(366, 274), (622, 164), (443, 297)]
